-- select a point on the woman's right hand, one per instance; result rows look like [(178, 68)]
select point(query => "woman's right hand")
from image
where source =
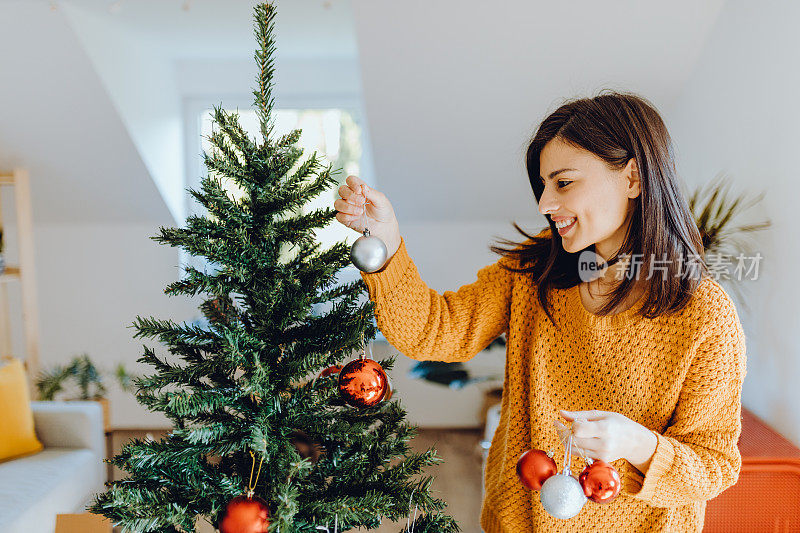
[(355, 197)]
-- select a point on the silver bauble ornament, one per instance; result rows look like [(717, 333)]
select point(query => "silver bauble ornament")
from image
[(368, 253), (562, 496)]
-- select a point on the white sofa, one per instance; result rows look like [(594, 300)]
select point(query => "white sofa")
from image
[(60, 479)]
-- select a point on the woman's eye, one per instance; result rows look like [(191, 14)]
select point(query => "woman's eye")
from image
[(564, 182)]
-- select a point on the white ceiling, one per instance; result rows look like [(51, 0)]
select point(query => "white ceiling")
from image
[(57, 120), (452, 89), (222, 29)]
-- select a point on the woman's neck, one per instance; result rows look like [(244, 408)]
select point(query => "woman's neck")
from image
[(596, 293)]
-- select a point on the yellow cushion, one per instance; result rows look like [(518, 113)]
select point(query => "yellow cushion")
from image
[(17, 437)]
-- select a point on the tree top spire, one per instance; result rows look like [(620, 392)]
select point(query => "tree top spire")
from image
[(264, 15)]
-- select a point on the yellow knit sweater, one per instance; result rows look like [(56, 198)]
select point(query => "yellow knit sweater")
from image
[(680, 376)]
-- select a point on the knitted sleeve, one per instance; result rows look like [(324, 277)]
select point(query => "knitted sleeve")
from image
[(427, 326), (697, 457)]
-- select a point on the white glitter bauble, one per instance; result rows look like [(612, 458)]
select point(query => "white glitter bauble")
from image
[(368, 253), (562, 496)]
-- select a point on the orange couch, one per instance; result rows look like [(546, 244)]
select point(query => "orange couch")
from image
[(767, 496)]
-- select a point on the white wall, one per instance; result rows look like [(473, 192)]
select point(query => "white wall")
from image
[(93, 281), (57, 119), (738, 113)]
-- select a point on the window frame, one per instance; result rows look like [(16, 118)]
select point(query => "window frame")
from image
[(194, 106), (194, 168)]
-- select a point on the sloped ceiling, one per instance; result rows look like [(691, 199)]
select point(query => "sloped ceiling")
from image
[(454, 89), (222, 29), (89, 101), (57, 120), (136, 47)]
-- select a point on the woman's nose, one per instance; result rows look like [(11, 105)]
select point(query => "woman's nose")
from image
[(547, 203)]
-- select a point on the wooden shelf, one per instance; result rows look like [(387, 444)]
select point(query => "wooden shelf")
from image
[(9, 274), (24, 273)]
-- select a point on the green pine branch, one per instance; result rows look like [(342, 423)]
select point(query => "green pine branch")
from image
[(265, 26)]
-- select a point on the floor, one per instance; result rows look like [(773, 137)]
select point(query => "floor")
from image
[(457, 479)]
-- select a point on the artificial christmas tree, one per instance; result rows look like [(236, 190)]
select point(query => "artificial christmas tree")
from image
[(246, 390)]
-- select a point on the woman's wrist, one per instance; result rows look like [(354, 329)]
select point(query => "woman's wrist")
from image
[(644, 450), (392, 245)]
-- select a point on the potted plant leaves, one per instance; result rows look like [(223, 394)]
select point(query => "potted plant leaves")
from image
[(717, 215), (453, 375), (81, 380)]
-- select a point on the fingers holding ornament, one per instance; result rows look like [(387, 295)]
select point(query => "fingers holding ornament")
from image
[(600, 481), (370, 213), (368, 253), (609, 436), (563, 494)]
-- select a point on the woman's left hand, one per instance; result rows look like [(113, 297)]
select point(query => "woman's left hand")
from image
[(609, 436)]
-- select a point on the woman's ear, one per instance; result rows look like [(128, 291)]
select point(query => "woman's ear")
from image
[(633, 184)]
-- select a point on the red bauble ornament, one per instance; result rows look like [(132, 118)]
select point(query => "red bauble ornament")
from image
[(333, 369), (600, 482), (363, 383), (245, 514), (534, 467), (389, 390)]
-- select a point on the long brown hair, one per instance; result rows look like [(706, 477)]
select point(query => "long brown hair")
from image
[(616, 127)]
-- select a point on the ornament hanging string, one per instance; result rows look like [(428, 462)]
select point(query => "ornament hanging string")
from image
[(251, 485), (366, 346), (568, 455), (364, 214), (410, 526), (368, 253), (364, 351), (564, 433), (582, 453)]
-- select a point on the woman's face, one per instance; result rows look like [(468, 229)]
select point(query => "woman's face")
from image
[(595, 199)]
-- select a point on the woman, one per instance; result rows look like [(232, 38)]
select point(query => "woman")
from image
[(645, 356)]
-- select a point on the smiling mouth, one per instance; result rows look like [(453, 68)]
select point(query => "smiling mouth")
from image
[(565, 226)]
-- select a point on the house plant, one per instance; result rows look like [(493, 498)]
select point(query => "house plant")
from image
[(717, 214), (80, 379)]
